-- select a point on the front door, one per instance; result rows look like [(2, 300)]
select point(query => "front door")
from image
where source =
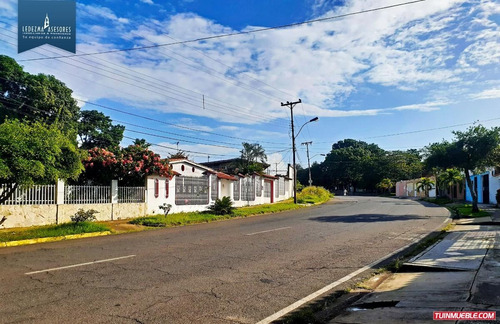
[(486, 189)]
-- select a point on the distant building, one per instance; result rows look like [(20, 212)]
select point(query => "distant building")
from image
[(408, 188)]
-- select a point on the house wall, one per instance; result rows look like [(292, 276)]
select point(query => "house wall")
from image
[(225, 188), (188, 169), (468, 194), (494, 185), (154, 203), (408, 188)]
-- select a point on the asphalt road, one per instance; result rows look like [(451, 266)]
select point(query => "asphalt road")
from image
[(237, 271)]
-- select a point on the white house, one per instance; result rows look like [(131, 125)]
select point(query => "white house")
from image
[(194, 187)]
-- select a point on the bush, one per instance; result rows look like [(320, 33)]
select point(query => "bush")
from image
[(222, 206), (312, 195), (84, 216)]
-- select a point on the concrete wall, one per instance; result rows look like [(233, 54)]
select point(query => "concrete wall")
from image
[(28, 215), (37, 215)]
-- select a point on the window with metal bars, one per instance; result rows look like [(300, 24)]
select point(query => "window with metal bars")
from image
[(191, 190)]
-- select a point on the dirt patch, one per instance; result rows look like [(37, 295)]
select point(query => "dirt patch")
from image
[(123, 226)]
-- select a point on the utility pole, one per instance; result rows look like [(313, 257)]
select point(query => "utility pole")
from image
[(291, 105), (276, 167), (308, 161)]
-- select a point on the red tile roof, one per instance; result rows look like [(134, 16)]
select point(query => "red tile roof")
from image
[(269, 176), (221, 175)]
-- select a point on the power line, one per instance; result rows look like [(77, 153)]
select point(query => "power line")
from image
[(144, 133), (186, 136), (157, 120), (175, 149), (194, 101), (37, 109), (129, 130), (233, 34), (422, 130), (167, 123)]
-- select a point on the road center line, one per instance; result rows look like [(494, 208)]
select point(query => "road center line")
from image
[(272, 230), (80, 264)]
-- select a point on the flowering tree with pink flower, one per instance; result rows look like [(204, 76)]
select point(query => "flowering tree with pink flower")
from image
[(130, 166), (137, 162)]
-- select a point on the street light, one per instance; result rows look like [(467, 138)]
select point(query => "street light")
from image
[(309, 161), (291, 105), (294, 150)]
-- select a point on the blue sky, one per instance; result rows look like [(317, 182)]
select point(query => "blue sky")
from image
[(422, 66)]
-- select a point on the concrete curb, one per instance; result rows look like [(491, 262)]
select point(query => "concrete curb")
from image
[(52, 239)]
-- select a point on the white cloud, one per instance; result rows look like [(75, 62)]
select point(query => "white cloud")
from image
[(487, 94), (95, 12), (148, 1), (408, 48)]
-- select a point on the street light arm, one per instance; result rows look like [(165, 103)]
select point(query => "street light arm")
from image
[(312, 120)]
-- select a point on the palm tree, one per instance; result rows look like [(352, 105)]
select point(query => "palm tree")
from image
[(386, 184), (447, 179), (425, 184)]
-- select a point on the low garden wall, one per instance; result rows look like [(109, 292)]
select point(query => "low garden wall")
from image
[(37, 215)]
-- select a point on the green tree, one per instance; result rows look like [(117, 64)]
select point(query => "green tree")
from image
[(426, 185), (36, 97), (253, 158), (476, 148), (35, 153), (179, 155), (96, 130), (449, 178), (351, 163), (142, 143)]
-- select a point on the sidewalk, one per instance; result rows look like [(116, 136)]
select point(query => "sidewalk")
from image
[(459, 273)]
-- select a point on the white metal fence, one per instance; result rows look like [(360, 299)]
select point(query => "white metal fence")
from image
[(32, 195), (131, 194), (87, 194)]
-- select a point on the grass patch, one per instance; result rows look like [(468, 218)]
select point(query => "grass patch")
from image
[(309, 195), (206, 217), (266, 209), (465, 210), (8, 235), (313, 195), (438, 201)]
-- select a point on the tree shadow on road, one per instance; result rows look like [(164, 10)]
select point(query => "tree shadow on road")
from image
[(366, 218)]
